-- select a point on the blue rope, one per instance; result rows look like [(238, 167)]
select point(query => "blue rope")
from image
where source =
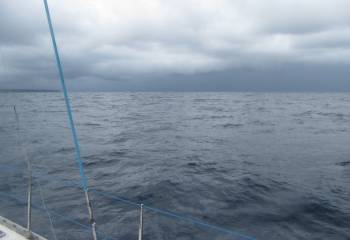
[(177, 216), (66, 99), (123, 200), (199, 223)]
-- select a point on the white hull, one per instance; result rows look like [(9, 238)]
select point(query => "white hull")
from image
[(12, 231)]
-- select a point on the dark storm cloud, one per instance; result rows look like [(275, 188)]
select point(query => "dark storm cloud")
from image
[(143, 44)]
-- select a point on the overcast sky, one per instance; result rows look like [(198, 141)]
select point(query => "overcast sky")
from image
[(184, 45)]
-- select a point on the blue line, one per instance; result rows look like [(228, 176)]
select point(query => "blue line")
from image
[(116, 198), (197, 222), (66, 99), (177, 216)]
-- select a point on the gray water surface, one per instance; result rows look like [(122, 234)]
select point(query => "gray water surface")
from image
[(269, 165)]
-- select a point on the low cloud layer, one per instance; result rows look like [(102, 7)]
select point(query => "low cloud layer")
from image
[(108, 42)]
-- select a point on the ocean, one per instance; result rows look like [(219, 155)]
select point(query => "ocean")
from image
[(270, 166)]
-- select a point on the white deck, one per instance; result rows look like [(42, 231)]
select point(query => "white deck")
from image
[(12, 231), (7, 234)]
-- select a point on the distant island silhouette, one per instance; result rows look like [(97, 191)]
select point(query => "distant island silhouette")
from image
[(28, 90)]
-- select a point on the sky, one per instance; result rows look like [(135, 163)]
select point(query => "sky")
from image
[(182, 45)]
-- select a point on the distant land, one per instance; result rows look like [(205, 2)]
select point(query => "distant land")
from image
[(26, 90)]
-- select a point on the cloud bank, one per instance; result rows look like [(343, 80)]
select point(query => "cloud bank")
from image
[(110, 41)]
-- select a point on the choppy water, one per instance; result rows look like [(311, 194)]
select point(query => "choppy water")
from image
[(270, 165)]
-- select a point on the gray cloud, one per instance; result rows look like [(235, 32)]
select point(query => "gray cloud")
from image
[(110, 44)]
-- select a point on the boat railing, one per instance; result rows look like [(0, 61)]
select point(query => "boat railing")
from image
[(141, 209)]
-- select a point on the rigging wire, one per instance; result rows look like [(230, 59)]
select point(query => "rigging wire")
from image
[(29, 171), (64, 217), (71, 122), (21, 145), (46, 209)]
